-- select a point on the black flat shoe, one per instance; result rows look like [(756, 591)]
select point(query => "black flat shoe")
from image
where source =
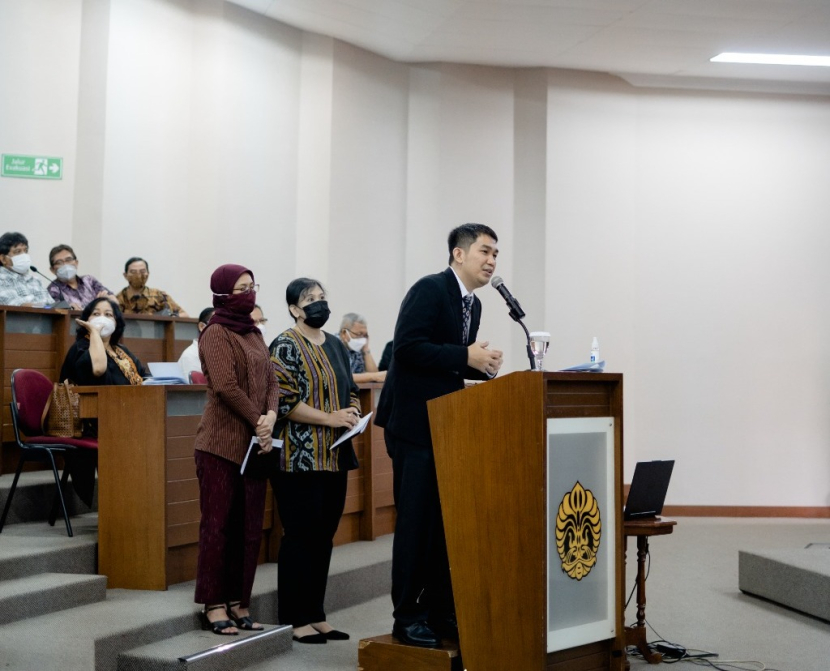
[(335, 635), (244, 622), (311, 638), (218, 627), (419, 634)]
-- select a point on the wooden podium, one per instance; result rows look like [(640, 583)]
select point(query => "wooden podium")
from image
[(492, 443)]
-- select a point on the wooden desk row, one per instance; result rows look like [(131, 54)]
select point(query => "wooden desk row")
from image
[(148, 494), (39, 339)]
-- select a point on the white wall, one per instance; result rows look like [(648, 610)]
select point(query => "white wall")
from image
[(683, 229)]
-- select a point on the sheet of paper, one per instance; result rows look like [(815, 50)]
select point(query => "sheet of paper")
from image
[(360, 427)]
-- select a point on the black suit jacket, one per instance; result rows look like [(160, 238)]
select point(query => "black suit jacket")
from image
[(430, 357)]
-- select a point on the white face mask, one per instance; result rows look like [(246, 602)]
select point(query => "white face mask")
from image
[(66, 272), (21, 263), (357, 344), (105, 324), (262, 330)]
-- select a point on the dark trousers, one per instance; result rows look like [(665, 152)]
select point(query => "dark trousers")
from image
[(310, 506), (230, 531), (421, 587)]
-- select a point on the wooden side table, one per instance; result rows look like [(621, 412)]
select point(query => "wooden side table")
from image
[(643, 530)]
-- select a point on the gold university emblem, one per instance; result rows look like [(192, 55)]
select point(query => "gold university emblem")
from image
[(578, 532)]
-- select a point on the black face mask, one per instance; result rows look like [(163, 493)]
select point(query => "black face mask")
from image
[(317, 314)]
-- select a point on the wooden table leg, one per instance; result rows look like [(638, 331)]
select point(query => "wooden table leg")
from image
[(636, 635)]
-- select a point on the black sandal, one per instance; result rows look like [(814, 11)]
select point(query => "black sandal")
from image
[(245, 622), (219, 626)]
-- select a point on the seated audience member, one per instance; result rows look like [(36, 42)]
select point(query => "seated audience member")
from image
[(97, 355), (189, 360), (95, 358), (139, 299), (18, 284), (355, 335), (77, 290), (386, 357), (260, 321)]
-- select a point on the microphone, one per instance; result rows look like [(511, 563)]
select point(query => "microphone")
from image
[(63, 302), (516, 312)]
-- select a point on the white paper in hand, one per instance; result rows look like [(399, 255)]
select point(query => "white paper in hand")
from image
[(360, 427)]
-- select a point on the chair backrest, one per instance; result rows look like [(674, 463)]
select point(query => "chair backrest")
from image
[(197, 378), (30, 393)]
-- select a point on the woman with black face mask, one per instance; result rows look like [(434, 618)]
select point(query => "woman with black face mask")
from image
[(318, 403)]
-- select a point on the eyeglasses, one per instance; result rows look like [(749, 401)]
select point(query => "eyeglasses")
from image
[(138, 272), (257, 322), (357, 335), (243, 290), (57, 263)]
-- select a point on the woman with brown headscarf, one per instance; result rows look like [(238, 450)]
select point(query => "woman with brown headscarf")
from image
[(242, 401)]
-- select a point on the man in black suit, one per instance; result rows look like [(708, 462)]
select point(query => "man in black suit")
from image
[(434, 351)]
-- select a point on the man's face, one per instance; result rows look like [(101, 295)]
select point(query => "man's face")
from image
[(61, 259), (258, 317), (476, 265), (19, 248), (137, 274), (356, 330)]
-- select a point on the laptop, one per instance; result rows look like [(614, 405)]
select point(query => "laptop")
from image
[(648, 489)]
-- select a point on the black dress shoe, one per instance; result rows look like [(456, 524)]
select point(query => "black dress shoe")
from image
[(445, 627), (336, 635), (419, 634)]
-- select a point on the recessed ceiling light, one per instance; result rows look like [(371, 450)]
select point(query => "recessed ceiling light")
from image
[(772, 59)]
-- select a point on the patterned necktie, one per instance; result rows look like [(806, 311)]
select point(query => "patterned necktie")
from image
[(466, 315)]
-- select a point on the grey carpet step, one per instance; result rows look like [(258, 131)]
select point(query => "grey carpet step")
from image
[(25, 598), (205, 651), (798, 579), (35, 547), (34, 496)]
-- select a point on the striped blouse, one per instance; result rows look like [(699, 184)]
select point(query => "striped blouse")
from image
[(318, 375), (240, 388)]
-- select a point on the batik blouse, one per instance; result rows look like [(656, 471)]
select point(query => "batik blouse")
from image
[(320, 376)]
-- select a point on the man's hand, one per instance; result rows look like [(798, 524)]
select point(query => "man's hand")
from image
[(483, 359)]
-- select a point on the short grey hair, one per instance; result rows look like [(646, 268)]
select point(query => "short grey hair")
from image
[(352, 318)]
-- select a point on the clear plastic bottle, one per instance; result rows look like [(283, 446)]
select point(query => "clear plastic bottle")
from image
[(594, 350)]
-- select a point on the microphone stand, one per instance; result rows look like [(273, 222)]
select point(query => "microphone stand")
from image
[(530, 356), (516, 313)]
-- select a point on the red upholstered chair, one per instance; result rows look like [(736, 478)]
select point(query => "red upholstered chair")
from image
[(30, 392), (197, 378)]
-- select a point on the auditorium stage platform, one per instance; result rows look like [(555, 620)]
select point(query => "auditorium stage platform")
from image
[(797, 578)]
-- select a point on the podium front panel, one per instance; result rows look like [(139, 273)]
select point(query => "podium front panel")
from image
[(580, 531)]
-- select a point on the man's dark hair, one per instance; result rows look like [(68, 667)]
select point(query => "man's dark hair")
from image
[(465, 235), (120, 324), (297, 289), (205, 315), (132, 260), (58, 250), (9, 240)]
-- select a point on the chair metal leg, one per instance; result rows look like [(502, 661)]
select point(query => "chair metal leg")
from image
[(59, 484), (11, 492), (53, 514)]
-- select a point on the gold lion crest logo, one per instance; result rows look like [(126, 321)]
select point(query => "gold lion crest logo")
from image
[(578, 532)]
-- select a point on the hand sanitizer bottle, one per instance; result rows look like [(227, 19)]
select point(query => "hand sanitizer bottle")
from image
[(594, 350)]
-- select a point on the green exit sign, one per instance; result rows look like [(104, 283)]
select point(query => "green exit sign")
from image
[(33, 167)]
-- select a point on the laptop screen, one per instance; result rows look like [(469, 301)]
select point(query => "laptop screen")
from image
[(648, 489)]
